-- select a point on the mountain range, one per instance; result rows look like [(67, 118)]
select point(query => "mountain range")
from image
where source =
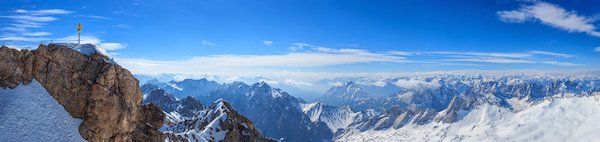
[(348, 110)]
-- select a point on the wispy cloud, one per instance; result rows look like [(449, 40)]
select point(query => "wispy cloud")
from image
[(21, 38), (292, 82), (490, 60), (551, 15), (528, 57), (597, 49), (416, 84), (305, 55), (206, 42), (403, 53), (268, 42), (537, 52), (561, 63), (301, 46), (124, 26), (19, 30), (301, 59), (91, 16), (43, 11), (37, 34)]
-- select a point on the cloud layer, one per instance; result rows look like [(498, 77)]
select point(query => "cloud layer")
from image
[(308, 56), (416, 84)]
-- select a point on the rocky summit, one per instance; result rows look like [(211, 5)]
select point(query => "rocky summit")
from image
[(105, 95)]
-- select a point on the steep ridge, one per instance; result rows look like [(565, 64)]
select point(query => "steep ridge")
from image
[(219, 122), (103, 94), (335, 118), (188, 120), (274, 112)]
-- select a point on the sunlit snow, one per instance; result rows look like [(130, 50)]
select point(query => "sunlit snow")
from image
[(561, 119), (28, 113)]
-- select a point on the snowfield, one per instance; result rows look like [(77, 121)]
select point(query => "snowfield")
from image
[(29, 114), (557, 119)]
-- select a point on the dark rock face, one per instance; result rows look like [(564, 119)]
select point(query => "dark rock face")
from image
[(105, 95)]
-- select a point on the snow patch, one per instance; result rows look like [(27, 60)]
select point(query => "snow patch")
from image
[(29, 113)]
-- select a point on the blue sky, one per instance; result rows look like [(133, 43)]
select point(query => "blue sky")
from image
[(258, 38)]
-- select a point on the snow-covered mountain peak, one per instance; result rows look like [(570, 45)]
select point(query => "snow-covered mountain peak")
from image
[(262, 84), (88, 49)]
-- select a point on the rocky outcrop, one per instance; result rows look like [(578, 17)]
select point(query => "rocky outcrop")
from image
[(220, 123), (105, 95)]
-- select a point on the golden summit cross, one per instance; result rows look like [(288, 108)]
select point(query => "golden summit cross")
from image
[(79, 26)]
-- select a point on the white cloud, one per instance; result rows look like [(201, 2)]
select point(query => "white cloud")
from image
[(206, 42), (29, 18), (499, 57), (111, 46), (597, 49), (270, 82), (292, 82), (124, 26), (20, 38), (308, 56), (416, 84), (552, 15), (281, 60), (487, 54), (268, 42), (301, 46), (551, 54), (379, 83), (561, 63), (37, 34), (24, 20), (402, 53), (336, 83), (490, 60), (43, 11), (108, 46)]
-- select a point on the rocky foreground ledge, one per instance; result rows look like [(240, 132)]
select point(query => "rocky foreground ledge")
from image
[(105, 95)]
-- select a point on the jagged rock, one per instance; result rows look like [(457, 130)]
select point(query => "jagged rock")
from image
[(220, 123), (103, 94)]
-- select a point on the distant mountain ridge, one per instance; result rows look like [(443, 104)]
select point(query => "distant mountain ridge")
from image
[(188, 120), (274, 112), (348, 109)]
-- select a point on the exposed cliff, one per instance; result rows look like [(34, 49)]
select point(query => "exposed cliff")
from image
[(105, 95)]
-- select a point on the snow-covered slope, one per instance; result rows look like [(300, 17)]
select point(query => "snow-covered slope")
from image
[(29, 113), (89, 49), (335, 118), (204, 128), (219, 122), (558, 119)]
